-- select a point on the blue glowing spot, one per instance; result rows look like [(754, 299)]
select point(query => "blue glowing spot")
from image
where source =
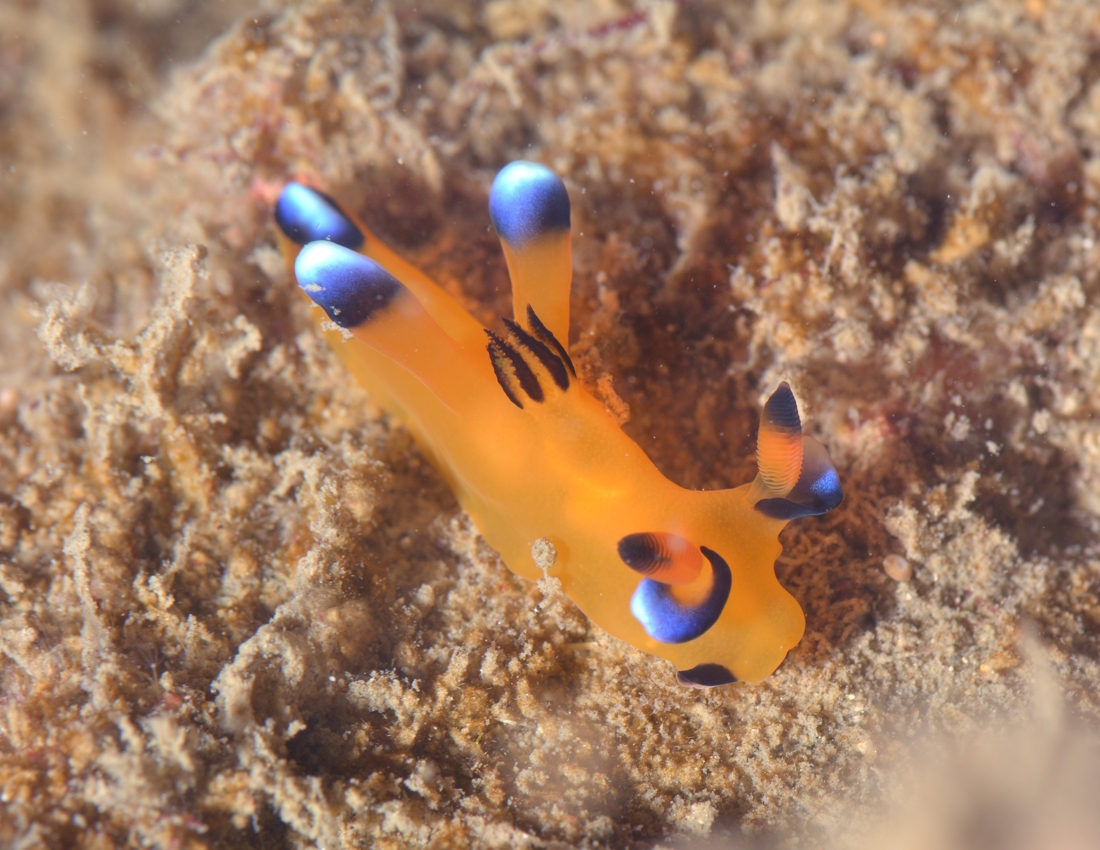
[(668, 620), (306, 215), (527, 200), (349, 287)]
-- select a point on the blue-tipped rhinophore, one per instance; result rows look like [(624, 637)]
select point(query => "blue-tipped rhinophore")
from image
[(669, 621), (818, 490), (527, 200), (349, 287), (306, 215)]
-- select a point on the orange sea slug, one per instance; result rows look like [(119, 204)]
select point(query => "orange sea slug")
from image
[(534, 459)]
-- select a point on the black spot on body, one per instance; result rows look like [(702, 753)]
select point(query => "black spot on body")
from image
[(705, 676), (543, 333), (642, 552)]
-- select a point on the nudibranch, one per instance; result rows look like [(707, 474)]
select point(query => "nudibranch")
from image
[(534, 459)]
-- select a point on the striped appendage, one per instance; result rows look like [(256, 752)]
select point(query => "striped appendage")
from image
[(779, 443), (705, 676), (797, 477)]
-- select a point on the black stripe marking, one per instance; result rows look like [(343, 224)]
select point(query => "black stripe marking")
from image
[(550, 361), (500, 352), (497, 357), (543, 334)]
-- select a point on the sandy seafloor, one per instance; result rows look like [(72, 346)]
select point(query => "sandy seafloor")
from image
[(239, 609)]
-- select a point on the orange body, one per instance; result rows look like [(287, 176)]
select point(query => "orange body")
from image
[(562, 470)]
